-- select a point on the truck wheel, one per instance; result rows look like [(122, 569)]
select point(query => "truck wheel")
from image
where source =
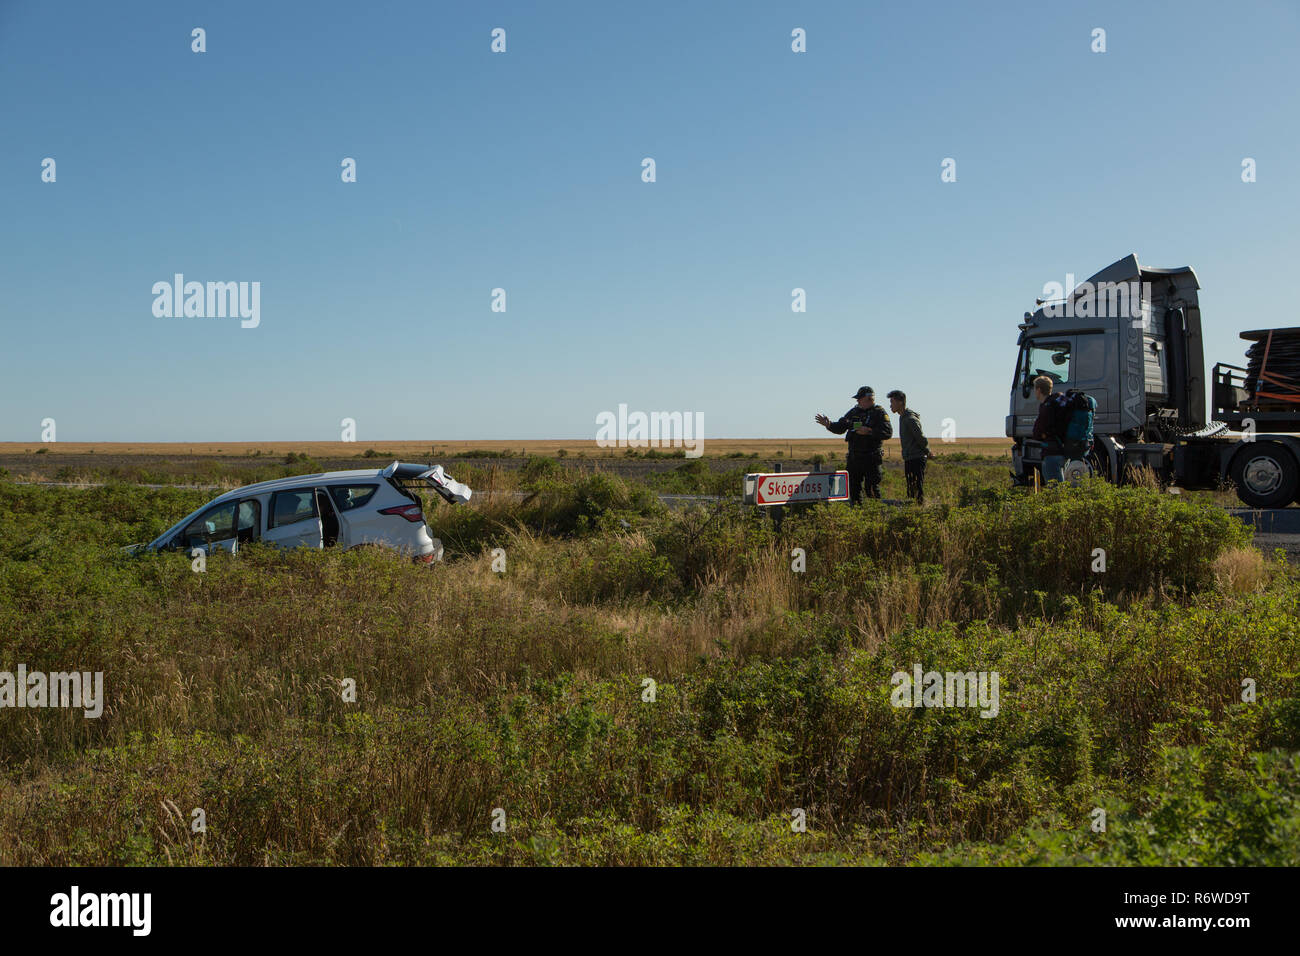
[(1266, 475), (1077, 469)]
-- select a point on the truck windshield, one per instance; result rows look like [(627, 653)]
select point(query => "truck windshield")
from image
[(1048, 358)]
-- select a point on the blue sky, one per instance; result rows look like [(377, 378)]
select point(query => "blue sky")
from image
[(522, 171)]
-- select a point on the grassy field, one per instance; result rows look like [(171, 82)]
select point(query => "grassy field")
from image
[(641, 685), (487, 469), (800, 448)]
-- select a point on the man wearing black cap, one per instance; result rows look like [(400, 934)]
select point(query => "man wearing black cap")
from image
[(864, 427)]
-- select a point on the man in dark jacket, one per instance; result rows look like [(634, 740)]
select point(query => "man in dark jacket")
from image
[(1049, 428), (916, 450), (864, 427)]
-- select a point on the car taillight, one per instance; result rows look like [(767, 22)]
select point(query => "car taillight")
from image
[(409, 512)]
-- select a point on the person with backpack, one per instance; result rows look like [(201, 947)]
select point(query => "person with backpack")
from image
[(1050, 427)]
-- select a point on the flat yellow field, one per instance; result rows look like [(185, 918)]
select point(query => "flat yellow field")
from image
[(797, 448)]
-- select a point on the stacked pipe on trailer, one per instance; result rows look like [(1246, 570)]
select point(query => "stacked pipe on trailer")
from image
[(1273, 368)]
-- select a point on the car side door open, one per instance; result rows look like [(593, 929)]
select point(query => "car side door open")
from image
[(248, 521), (294, 520), (329, 518), (355, 521)]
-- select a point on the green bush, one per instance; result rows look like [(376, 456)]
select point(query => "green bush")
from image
[(527, 690)]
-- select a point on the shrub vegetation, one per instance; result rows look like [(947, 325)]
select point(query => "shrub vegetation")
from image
[(527, 690)]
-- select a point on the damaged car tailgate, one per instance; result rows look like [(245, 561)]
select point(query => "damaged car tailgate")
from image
[(430, 476)]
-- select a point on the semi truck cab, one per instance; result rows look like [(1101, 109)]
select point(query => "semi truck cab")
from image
[(1130, 336)]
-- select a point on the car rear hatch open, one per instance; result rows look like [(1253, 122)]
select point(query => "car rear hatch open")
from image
[(418, 477)]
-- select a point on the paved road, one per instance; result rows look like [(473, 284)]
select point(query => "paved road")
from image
[(673, 501), (1278, 521), (1274, 528)]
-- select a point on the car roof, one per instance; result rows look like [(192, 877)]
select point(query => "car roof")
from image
[(398, 469), (297, 481)]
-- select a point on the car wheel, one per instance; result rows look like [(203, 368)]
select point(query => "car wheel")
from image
[(1266, 475)]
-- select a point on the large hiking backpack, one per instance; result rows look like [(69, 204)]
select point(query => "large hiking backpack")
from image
[(1077, 438), (1058, 419)]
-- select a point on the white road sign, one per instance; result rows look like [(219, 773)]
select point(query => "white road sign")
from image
[(785, 487)]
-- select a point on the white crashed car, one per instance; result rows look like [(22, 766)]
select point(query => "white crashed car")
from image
[(341, 509)]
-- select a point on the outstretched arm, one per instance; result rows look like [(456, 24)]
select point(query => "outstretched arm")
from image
[(839, 427)]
